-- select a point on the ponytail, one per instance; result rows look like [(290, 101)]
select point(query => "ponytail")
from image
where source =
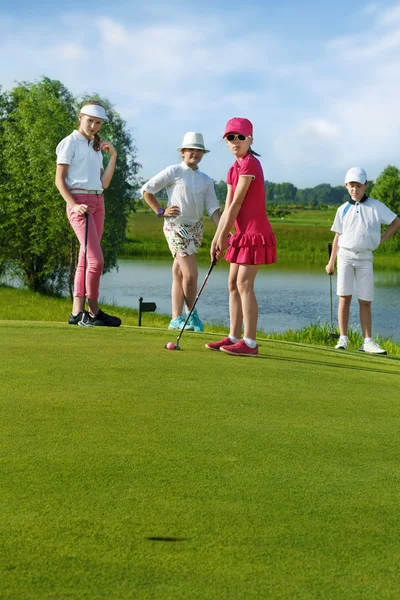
[(253, 153), (96, 142)]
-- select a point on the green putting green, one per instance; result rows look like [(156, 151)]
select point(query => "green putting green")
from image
[(132, 472)]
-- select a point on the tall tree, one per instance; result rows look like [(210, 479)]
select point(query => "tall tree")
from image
[(387, 188), (33, 236)]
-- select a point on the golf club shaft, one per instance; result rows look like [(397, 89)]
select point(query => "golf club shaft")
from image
[(330, 281), (214, 262), (85, 259)]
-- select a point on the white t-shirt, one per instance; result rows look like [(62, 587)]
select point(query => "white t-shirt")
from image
[(85, 164), (191, 190), (359, 224)]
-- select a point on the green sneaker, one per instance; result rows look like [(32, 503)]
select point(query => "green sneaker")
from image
[(178, 323), (195, 322)]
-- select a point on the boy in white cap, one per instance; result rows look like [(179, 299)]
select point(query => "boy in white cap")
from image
[(190, 192), (357, 226)]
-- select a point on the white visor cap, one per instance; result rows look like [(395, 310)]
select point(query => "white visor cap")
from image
[(94, 110), (356, 174)]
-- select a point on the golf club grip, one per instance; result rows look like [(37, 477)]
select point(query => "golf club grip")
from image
[(329, 249)]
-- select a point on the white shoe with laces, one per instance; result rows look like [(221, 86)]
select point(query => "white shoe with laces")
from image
[(372, 348), (342, 344)]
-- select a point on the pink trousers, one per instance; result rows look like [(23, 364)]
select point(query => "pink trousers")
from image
[(95, 260)]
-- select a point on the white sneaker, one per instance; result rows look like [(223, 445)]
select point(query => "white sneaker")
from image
[(372, 348), (342, 344)]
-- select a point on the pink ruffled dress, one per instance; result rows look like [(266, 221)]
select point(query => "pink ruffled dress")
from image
[(254, 242)]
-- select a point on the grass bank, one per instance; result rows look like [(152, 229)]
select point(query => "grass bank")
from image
[(302, 238), (23, 305), (137, 473)]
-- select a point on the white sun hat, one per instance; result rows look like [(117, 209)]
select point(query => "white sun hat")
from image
[(94, 110), (356, 174), (193, 140)]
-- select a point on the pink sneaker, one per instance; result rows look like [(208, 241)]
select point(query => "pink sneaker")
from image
[(240, 349), (217, 345)]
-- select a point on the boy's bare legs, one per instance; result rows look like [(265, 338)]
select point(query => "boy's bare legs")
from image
[(344, 314), (235, 303), (366, 318), (245, 286), (176, 290)]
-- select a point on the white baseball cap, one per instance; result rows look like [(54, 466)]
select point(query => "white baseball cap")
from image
[(356, 174), (193, 140)]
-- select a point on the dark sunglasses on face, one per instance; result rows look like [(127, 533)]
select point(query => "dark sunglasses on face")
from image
[(232, 136)]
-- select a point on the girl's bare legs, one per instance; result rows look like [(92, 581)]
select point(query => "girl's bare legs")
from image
[(177, 290), (235, 303), (344, 314), (365, 318), (245, 285), (189, 271), (79, 303)]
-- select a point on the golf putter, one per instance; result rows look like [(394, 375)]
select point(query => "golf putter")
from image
[(331, 335), (82, 322), (214, 262)]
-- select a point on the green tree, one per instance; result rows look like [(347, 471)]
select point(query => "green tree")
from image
[(220, 190), (34, 240), (387, 188)]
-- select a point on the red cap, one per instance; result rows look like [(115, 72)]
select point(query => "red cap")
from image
[(239, 125)]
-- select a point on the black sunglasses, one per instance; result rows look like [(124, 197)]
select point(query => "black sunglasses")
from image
[(232, 136)]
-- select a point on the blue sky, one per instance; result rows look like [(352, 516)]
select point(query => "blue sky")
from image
[(319, 80)]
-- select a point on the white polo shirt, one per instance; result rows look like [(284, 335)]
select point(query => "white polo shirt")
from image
[(359, 225), (191, 190), (85, 164)]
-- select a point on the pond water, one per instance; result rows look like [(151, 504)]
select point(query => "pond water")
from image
[(288, 299)]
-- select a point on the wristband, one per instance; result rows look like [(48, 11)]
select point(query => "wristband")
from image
[(160, 212)]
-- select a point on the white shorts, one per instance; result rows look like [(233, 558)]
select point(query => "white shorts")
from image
[(350, 267)]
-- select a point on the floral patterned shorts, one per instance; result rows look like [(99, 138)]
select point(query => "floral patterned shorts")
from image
[(183, 240)]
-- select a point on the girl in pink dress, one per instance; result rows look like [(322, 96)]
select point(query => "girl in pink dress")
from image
[(253, 243)]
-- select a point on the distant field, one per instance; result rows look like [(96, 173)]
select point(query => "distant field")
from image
[(130, 472), (302, 238)]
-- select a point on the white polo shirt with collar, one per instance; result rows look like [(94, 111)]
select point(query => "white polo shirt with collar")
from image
[(359, 226), (85, 164), (189, 189)]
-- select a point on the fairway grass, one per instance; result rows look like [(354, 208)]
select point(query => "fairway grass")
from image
[(278, 476)]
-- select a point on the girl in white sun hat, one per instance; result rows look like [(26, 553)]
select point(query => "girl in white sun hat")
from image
[(357, 228), (190, 192), (80, 179)]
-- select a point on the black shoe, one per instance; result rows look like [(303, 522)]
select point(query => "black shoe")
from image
[(105, 320), (74, 319)]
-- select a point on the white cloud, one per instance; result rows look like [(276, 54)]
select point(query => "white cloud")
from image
[(390, 16), (318, 127), (70, 51), (370, 9)]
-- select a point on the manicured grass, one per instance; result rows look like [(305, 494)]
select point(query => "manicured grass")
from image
[(23, 305), (302, 239), (279, 475)]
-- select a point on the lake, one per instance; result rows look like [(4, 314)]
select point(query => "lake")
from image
[(287, 299)]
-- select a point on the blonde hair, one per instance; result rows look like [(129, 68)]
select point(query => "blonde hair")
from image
[(96, 137)]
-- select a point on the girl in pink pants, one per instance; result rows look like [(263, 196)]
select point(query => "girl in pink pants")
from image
[(81, 178)]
